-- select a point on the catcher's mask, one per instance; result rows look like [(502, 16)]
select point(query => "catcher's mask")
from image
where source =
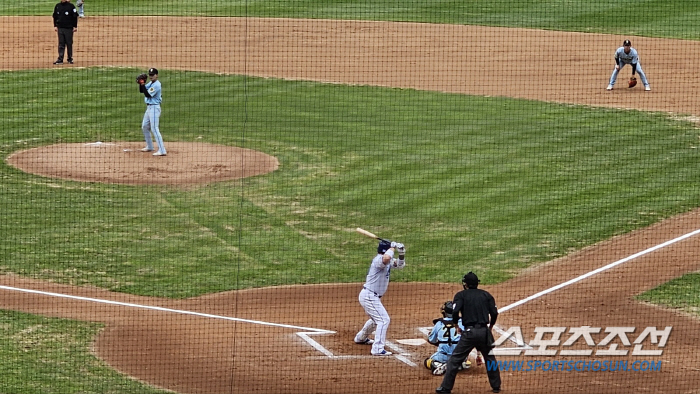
[(383, 246), (470, 280), (447, 308)]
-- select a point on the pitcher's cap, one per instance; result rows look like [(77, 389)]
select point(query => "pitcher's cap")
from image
[(152, 71)]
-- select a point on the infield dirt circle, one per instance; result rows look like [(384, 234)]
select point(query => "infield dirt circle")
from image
[(198, 354)]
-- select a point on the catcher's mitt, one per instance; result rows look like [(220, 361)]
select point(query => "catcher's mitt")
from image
[(141, 79), (632, 82)]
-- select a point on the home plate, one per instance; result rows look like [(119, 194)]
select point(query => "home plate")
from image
[(413, 342)]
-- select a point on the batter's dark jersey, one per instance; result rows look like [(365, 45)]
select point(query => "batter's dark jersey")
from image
[(476, 306)]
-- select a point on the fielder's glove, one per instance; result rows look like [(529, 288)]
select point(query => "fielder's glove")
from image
[(632, 82), (141, 79)]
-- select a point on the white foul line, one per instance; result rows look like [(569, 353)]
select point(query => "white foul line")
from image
[(158, 308), (597, 271)]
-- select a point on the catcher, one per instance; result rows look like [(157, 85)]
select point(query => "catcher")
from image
[(445, 337)]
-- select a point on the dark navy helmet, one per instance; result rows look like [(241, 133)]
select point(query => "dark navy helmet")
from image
[(152, 71), (383, 246), (447, 308), (627, 43)]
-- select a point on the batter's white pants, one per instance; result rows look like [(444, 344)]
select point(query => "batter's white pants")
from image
[(151, 119), (378, 320)]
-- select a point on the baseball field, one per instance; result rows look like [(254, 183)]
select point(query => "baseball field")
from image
[(479, 134)]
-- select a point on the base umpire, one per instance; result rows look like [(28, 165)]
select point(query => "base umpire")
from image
[(479, 313)]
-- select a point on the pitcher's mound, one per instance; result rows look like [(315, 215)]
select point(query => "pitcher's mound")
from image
[(123, 162)]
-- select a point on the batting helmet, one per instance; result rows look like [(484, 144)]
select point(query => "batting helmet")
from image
[(447, 308), (383, 246), (470, 280)]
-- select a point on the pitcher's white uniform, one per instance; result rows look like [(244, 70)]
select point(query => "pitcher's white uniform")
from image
[(374, 288)]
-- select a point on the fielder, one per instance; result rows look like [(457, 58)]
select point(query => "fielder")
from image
[(628, 55), (372, 291)]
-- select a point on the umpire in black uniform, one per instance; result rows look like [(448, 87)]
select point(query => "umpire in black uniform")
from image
[(65, 23), (479, 313)]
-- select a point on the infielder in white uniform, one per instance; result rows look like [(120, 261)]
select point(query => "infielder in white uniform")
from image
[(372, 291), (627, 55)]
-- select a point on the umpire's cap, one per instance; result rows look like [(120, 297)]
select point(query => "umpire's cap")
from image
[(471, 280), (383, 246), (152, 71), (627, 43)]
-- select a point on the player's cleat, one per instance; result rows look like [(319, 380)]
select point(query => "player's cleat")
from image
[(70, 61), (82, 15), (58, 62), (465, 365), (442, 390), (382, 353), (647, 88), (479, 360), (498, 390), (609, 87), (146, 149), (159, 153), (440, 368), (367, 341)]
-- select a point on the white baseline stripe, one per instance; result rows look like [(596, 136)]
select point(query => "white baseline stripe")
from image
[(597, 271), (158, 308)]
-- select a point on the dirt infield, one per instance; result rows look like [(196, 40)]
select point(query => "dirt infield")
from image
[(192, 353)]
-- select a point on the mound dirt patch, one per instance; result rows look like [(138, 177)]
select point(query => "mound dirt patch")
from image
[(123, 162)]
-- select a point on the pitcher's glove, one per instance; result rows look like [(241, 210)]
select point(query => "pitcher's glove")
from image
[(141, 79), (632, 82)]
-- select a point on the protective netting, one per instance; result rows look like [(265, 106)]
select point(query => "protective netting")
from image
[(494, 137)]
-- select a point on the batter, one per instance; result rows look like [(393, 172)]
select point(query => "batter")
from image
[(375, 286)]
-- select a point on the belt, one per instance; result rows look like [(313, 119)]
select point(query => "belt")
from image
[(372, 292), (152, 104), (477, 325)]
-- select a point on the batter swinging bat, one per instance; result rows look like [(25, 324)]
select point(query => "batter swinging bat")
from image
[(368, 234)]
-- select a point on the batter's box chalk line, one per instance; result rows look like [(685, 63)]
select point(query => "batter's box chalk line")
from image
[(398, 352)]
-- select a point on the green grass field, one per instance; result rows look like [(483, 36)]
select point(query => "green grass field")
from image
[(489, 184), (681, 293), (652, 18), (463, 185)]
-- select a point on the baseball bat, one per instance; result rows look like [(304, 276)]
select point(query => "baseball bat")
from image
[(368, 234)]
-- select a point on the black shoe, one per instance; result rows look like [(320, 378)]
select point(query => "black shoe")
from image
[(498, 390), (70, 61), (442, 390), (58, 62)]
